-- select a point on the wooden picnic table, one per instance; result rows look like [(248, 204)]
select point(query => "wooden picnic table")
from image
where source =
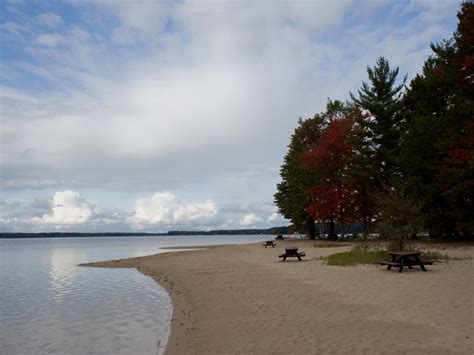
[(401, 259), (292, 252), (269, 243)]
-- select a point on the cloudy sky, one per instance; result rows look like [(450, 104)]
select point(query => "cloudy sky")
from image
[(144, 115)]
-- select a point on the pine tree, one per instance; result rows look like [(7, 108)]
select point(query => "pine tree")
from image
[(381, 98), (436, 154)]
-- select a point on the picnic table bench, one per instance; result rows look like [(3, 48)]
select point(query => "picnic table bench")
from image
[(401, 259), (292, 253), (269, 243)]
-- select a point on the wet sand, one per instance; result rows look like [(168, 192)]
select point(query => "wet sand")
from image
[(243, 299)]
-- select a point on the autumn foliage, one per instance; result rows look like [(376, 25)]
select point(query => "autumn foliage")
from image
[(411, 146), (334, 195), (392, 145), (333, 149)]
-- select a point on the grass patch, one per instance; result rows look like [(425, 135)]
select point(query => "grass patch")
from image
[(331, 245), (355, 257), (361, 256)]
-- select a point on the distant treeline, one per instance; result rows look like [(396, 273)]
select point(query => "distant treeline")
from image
[(271, 231), (274, 230)]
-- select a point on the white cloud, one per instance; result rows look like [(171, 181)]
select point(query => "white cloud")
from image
[(242, 77), (14, 28), (137, 20), (49, 19), (68, 208), (198, 96), (272, 217), (318, 14), (276, 219), (163, 209), (8, 222), (49, 39), (250, 219), (16, 216), (69, 211)]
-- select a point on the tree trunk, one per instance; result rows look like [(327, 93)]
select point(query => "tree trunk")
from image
[(332, 228), (310, 228), (365, 228)]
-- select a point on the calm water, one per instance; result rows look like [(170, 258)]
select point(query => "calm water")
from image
[(49, 305)]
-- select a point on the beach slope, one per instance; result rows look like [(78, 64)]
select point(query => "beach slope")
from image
[(243, 299)]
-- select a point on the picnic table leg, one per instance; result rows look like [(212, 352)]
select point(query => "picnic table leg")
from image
[(412, 262), (402, 264), (299, 257), (389, 267), (418, 260)]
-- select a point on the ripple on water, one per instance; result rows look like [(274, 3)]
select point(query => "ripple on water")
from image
[(89, 311), (49, 305)]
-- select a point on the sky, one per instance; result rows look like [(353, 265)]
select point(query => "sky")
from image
[(149, 116)]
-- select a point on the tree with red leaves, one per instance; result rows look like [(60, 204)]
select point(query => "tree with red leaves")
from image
[(415, 148), (337, 196), (292, 195)]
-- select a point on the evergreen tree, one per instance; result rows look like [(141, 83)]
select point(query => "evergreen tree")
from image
[(381, 98), (436, 155), (415, 150)]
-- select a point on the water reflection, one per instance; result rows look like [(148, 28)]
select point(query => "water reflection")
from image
[(51, 306), (60, 274)]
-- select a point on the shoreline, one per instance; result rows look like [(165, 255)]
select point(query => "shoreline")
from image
[(243, 299), (179, 341)]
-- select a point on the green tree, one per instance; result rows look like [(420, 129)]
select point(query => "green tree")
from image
[(343, 191), (292, 196), (400, 216), (381, 98), (436, 154)]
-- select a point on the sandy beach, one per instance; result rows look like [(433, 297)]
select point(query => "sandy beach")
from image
[(243, 299)]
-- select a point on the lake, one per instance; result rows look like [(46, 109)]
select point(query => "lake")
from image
[(49, 305)]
